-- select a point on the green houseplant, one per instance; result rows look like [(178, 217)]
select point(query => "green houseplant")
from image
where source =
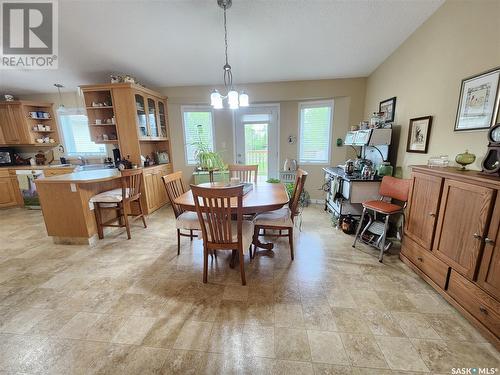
[(207, 160)]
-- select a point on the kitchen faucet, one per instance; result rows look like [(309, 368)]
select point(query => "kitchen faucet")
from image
[(82, 160)]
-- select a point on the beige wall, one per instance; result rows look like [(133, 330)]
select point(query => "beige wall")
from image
[(461, 39), (348, 95)]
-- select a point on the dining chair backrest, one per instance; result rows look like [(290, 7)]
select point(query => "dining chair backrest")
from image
[(213, 206), (175, 188), (131, 181), (246, 173), (395, 188), (300, 180)]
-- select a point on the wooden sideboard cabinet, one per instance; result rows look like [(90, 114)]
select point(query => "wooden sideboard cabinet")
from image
[(452, 240)]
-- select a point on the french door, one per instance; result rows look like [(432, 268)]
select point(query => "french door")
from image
[(256, 139)]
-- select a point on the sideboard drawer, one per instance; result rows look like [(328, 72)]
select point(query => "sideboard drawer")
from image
[(476, 301), (433, 267)]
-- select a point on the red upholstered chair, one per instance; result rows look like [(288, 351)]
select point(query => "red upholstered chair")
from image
[(390, 188)]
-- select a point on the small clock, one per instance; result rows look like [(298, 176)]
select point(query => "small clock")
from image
[(494, 134), (491, 162)]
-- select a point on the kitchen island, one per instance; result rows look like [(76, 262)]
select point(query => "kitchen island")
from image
[(64, 199)]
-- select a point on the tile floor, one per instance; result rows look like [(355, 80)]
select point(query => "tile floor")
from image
[(135, 307)]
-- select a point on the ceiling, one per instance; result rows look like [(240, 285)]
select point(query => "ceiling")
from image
[(181, 42)]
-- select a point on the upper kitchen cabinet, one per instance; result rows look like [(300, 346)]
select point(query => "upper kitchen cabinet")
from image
[(130, 116), (462, 225), (423, 206), (27, 123), (134, 119)]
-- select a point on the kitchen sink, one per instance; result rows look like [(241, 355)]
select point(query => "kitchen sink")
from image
[(59, 165), (94, 167)]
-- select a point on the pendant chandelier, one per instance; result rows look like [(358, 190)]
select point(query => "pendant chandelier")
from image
[(234, 99)]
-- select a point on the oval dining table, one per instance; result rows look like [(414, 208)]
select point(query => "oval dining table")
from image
[(263, 197)]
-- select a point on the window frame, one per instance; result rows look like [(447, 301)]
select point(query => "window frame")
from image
[(315, 104), (73, 112), (196, 108)]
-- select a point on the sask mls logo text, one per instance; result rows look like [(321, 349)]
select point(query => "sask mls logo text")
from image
[(29, 34)]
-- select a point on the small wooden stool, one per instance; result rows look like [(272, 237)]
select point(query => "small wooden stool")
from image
[(119, 200)]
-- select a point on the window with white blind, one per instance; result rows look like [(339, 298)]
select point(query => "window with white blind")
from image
[(315, 132), (198, 127), (76, 135)]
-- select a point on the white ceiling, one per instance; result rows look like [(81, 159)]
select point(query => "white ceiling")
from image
[(180, 42)]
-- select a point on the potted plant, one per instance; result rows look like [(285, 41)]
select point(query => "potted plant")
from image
[(207, 160)]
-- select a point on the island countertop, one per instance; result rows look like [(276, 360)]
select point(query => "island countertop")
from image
[(82, 177)]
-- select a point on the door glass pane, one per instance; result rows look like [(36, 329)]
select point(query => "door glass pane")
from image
[(163, 119), (141, 116), (256, 146), (152, 118)]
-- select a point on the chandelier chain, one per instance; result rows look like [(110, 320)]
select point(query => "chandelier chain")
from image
[(225, 32)]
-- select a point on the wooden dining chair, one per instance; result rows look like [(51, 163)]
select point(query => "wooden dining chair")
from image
[(282, 219), (246, 173), (220, 231), (184, 220), (120, 200)]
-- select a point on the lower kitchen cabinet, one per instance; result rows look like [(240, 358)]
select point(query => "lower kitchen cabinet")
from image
[(155, 195), (462, 259), (9, 190)]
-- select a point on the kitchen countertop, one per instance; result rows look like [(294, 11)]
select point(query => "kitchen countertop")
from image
[(337, 171), (37, 167), (82, 177)]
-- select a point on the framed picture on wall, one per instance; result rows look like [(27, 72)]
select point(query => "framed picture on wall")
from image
[(418, 134), (478, 101), (388, 107)]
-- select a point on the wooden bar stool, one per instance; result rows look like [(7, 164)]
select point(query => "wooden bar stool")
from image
[(246, 173), (119, 200), (390, 188)]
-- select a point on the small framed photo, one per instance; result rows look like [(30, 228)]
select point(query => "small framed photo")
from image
[(388, 107), (478, 102), (418, 134)]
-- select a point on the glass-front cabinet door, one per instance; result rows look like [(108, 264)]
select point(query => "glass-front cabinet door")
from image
[(162, 119), (142, 121), (153, 126)]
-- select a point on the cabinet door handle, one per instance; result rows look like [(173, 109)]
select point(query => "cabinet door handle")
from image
[(420, 259), (483, 310), (432, 214), (489, 241), (477, 236)]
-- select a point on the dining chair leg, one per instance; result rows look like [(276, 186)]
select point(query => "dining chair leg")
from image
[(191, 234), (290, 241), (125, 219), (142, 213), (178, 241), (98, 219), (205, 264), (242, 268)]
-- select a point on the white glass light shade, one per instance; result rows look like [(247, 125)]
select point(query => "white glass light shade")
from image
[(214, 97), (218, 103), (232, 99), (243, 99)]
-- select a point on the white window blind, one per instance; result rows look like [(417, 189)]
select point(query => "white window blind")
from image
[(198, 127), (315, 132), (76, 135)]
